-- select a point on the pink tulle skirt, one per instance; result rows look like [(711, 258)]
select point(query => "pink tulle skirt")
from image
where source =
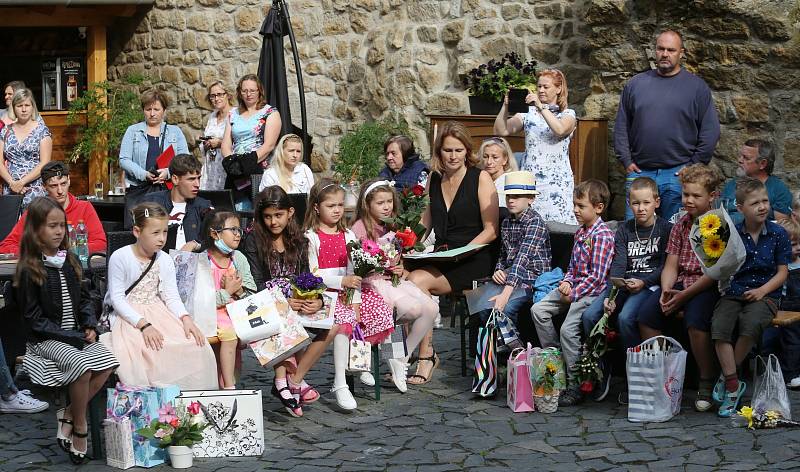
[(409, 301), (180, 361)]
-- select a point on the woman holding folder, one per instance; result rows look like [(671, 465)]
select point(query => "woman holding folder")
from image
[(463, 210), (141, 147)]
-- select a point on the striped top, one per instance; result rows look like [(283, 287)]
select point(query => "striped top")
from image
[(67, 316)]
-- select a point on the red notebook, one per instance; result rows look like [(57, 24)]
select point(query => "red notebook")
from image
[(163, 161)]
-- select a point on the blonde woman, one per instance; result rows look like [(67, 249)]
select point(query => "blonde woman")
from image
[(288, 171), (548, 129), (498, 159), (213, 177)]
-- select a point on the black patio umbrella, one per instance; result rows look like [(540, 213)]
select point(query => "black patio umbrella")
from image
[(272, 71)]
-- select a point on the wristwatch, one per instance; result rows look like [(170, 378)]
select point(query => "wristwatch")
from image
[(542, 107)]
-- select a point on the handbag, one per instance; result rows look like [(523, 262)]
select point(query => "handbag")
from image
[(241, 165), (519, 396), (769, 389), (257, 316), (485, 380), (656, 368), (360, 358), (104, 323), (235, 422), (508, 338)]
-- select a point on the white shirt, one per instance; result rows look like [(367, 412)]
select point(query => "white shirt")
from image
[(124, 269), (500, 184), (302, 179), (176, 218)]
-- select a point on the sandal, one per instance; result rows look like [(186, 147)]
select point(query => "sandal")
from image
[(433, 359), (306, 395), (62, 439), (78, 457), (290, 403)]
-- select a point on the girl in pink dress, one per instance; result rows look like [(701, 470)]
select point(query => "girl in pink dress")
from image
[(376, 202), (230, 271), (327, 256)]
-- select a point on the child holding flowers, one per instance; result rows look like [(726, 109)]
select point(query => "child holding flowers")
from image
[(751, 300), (328, 239), (377, 202), (230, 271), (278, 256), (683, 284)]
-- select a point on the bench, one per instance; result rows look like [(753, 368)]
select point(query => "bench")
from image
[(785, 318)]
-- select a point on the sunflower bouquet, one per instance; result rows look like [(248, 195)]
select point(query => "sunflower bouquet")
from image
[(761, 419), (717, 244)]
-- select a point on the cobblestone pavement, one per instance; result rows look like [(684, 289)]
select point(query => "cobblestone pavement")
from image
[(440, 427)]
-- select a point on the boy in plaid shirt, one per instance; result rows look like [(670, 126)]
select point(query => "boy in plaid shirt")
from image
[(525, 253), (684, 287), (592, 253)]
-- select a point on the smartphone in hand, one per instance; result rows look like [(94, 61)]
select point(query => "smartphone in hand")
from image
[(516, 100)]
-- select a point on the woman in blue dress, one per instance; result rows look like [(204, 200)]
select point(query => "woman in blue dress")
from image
[(25, 147), (253, 126)]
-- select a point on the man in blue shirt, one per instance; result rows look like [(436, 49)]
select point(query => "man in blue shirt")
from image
[(752, 299), (756, 160), (666, 121)]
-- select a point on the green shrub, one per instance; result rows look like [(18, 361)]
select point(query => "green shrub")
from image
[(360, 154)]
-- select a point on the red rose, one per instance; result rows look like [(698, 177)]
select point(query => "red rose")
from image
[(611, 336), (418, 190), (174, 422), (407, 238), (587, 386)]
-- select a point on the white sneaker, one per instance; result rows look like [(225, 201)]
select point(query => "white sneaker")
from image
[(794, 383), (367, 379), (399, 370), (21, 403), (344, 398)]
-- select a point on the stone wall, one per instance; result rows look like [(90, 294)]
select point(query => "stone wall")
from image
[(368, 59)]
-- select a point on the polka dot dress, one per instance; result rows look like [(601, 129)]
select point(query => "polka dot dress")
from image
[(376, 316)]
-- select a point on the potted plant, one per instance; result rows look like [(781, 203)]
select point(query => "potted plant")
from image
[(177, 430), (545, 395), (488, 83), (110, 108), (360, 155)]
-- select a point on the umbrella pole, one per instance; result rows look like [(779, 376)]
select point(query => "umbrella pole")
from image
[(283, 9)]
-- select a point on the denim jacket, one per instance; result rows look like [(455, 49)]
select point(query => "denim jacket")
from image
[(133, 150)]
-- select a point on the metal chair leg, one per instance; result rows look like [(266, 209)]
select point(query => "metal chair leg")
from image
[(376, 372), (95, 406), (463, 320)]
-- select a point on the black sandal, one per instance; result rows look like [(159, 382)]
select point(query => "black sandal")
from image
[(78, 457), (434, 359)]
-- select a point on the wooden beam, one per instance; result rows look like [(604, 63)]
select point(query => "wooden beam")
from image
[(96, 71), (59, 16)]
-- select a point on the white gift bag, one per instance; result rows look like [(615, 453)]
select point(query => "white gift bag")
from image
[(655, 379), (196, 288), (258, 316), (119, 443), (235, 422)]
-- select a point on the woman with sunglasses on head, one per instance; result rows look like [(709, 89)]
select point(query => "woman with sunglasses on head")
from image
[(213, 177), (403, 165), (497, 159), (252, 127), (548, 129)]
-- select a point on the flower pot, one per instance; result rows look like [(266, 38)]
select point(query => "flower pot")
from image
[(546, 403), (484, 106), (180, 457), (351, 196)]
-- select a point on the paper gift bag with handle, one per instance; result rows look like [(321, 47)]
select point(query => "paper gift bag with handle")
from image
[(235, 422), (520, 391), (258, 316), (360, 359), (656, 369)]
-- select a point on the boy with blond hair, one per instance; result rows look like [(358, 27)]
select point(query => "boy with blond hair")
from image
[(592, 253)]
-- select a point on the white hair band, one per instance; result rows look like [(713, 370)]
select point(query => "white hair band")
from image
[(377, 184)]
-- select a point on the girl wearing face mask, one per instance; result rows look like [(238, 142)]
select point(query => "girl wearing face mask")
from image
[(152, 335), (231, 273), (62, 348)]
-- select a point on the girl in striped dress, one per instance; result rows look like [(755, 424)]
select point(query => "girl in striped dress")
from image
[(62, 347)]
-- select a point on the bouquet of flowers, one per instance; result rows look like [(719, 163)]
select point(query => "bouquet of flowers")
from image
[(367, 257), (597, 344), (761, 419), (176, 428), (717, 244), (307, 286), (392, 247), (407, 224)]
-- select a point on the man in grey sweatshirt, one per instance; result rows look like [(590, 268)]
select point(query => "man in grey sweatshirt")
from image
[(666, 121)]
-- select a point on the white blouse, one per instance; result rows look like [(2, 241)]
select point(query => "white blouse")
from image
[(500, 184), (124, 269), (302, 179)]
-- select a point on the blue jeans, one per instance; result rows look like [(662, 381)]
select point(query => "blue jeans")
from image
[(669, 189), (627, 315), (6, 382), (511, 309)]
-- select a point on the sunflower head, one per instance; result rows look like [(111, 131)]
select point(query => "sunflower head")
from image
[(709, 224), (713, 246)]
